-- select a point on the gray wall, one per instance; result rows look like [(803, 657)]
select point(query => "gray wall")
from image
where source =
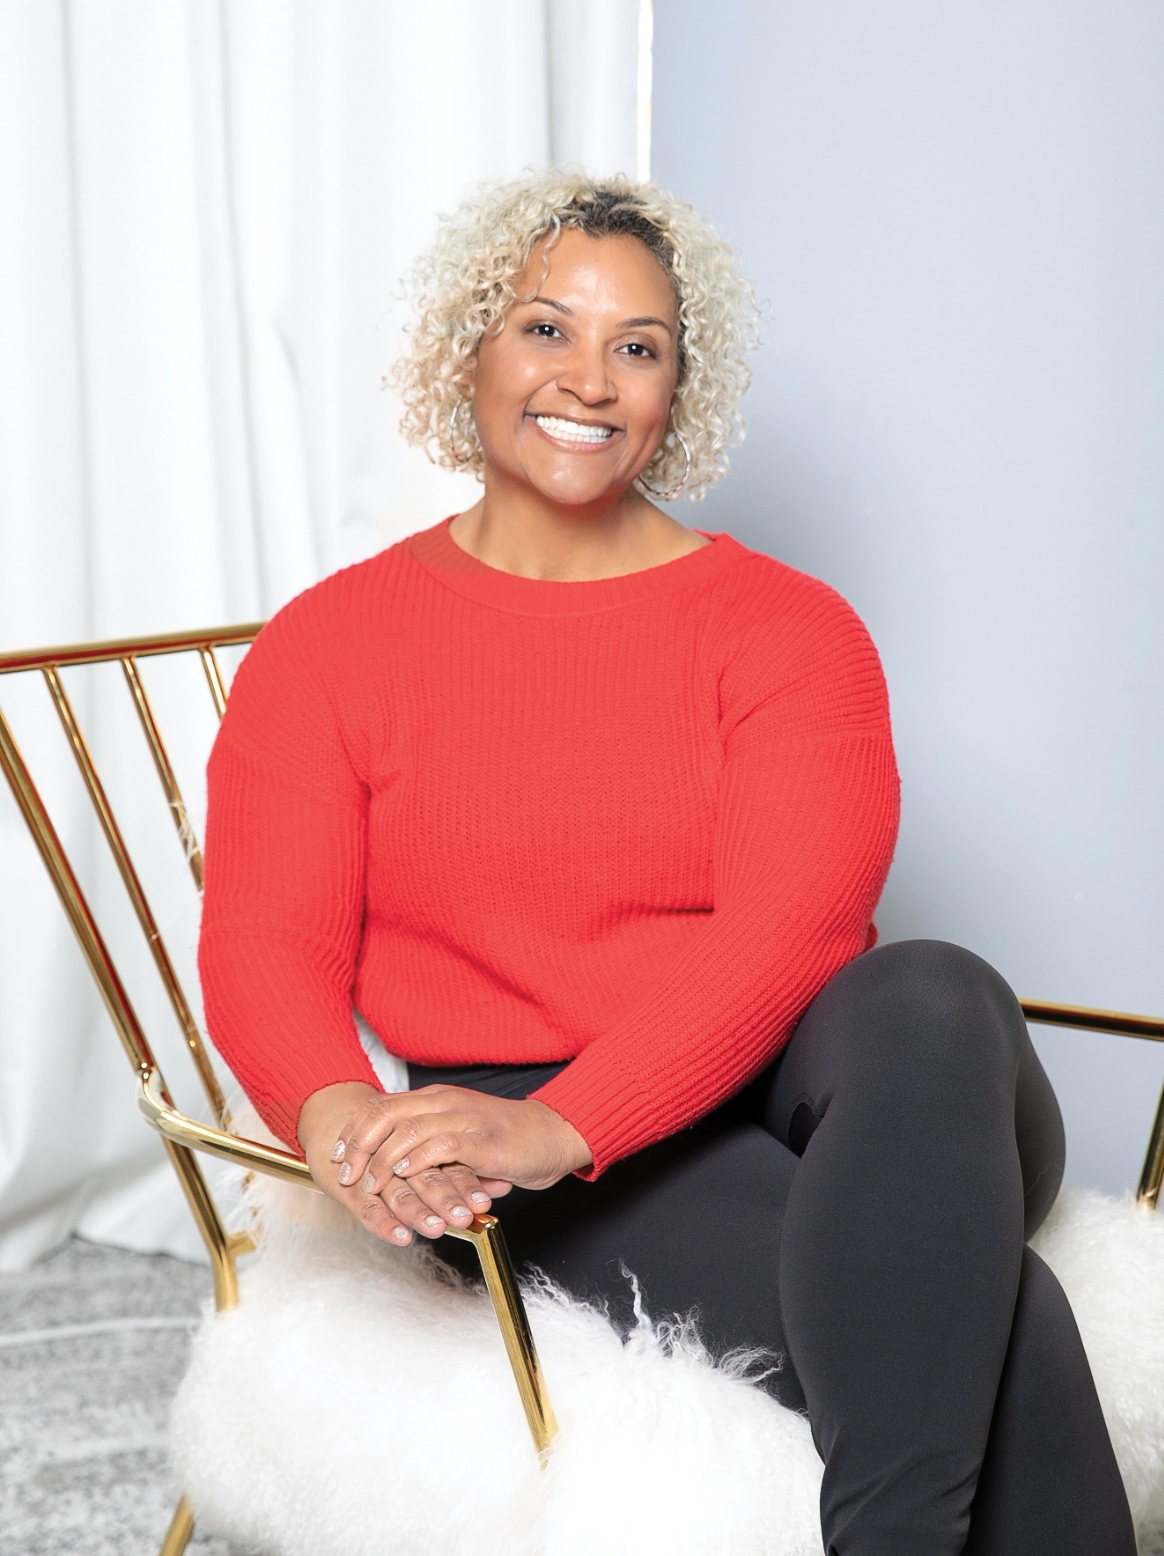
[(953, 214)]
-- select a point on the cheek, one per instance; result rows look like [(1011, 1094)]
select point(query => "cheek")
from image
[(649, 406), (499, 403), (506, 375)]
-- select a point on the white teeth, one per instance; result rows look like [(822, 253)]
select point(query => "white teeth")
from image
[(573, 431)]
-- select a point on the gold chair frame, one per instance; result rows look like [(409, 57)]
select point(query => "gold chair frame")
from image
[(181, 1135)]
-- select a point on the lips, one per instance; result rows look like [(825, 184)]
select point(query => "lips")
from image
[(566, 431)]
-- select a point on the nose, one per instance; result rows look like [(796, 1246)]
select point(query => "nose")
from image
[(585, 375)]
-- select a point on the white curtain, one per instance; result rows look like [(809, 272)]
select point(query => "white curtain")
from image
[(205, 210)]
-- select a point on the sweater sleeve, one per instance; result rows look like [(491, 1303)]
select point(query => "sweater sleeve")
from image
[(284, 883), (806, 824)]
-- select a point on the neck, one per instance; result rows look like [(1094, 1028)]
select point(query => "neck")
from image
[(518, 531)]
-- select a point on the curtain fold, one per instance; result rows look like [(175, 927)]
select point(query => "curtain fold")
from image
[(207, 206)]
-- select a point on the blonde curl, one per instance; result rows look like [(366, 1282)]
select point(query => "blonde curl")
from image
[(466, 283)]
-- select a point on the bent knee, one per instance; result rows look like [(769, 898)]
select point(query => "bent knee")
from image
[(927, 1002)]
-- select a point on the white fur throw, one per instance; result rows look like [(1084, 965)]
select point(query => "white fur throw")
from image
[(360, 1400)]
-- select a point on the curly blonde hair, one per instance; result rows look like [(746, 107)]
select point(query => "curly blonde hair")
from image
[(466, 283)]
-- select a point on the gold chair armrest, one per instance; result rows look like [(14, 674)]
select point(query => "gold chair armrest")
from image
[(1122, 1023), (196, 1136)]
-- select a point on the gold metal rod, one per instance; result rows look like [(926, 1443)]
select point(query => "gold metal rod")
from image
[(214, 678), (1121, 1022), (118, 648), (84, 926), (191, 1133), (240, 1243), (169, 780), (129, 875), (221, 1246), (1152, 1176), (181, 1528), (205, 1213), (485, 1234)]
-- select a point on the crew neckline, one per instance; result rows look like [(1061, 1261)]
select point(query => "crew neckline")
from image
[(438, 553)]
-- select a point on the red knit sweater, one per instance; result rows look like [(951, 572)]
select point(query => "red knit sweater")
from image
[(634, 823)]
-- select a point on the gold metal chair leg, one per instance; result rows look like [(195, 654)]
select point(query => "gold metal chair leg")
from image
[(485, 1235), (180, 1530), (1152, 1177)]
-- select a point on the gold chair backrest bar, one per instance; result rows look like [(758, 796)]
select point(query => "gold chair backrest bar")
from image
[(117, 1002), (214, 680), (93, 946), (164, 767), (127, 651), (137, 648), (137, 896)]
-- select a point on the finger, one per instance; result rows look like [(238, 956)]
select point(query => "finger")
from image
[(374, 1120), (389, 1106), (457, 1186), (411, 1210), (424, 1143), (368, 1209), (372, 1213), (417, 1142), (366, 1129), (472, 1190), (431, 1202), (384, 1117)]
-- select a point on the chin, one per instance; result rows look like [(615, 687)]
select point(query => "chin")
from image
[(583, 502), (571, 492)]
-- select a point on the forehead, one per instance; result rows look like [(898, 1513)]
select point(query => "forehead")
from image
[(618, 271)]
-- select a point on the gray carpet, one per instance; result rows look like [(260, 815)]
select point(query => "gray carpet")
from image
[(85, 1387)]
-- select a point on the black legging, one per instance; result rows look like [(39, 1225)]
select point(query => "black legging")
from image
[(860, 1209)]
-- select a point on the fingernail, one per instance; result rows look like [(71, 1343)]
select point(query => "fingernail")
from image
[(432, 1220), (345, 1173), (337, 1151), (479, 1198), (459, 1210), (401, 1166), (402, 1234), (368, 1182)]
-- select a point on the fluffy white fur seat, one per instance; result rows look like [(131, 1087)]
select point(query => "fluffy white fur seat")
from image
[(359, 1399)]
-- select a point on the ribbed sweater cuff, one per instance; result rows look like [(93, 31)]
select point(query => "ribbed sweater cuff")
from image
[(281, 1112), (610, 1130)]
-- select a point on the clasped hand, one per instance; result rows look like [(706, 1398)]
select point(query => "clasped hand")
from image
[(422, 1161)]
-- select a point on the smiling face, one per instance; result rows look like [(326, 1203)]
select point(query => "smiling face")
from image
[(572, 398)]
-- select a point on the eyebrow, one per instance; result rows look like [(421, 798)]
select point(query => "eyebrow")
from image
[(627, 324)]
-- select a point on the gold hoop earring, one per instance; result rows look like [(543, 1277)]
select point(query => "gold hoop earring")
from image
[(675, 490)]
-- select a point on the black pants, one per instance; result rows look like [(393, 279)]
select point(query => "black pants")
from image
[(861, 1210)]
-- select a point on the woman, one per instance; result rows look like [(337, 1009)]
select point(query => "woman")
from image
[(588, 813)]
